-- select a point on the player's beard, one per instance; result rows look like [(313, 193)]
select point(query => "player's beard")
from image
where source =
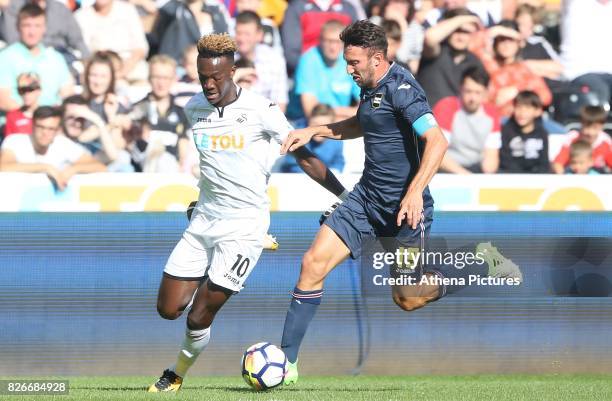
[(367, 78)]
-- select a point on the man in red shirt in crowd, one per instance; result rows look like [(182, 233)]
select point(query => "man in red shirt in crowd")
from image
[(19, 121)]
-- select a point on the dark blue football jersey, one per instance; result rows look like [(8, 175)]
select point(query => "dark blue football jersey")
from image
[(392, 116)]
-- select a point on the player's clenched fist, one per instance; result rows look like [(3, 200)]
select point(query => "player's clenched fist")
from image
[(296, 139)]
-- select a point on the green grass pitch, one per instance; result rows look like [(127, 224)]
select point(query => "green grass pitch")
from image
[(351, 388)]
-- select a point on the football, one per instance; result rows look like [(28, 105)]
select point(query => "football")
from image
[(264, 366)]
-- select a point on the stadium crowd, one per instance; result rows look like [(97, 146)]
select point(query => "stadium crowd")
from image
[(518, 86)]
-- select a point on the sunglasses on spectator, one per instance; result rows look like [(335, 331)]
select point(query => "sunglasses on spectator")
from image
[(27, 88)]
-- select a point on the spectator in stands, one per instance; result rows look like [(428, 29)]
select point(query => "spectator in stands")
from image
[(327, 150), (537, 53), (321, 77), (83, 126), (592, 119), (62, 31), (581, 159), (47, 152), (585, 25), (524, 147), (99, 90), (393, 32), (271, 34), (4, 5), (164, 123), (115, 25), (181, 23), (189, 83), (30, 55), (471, 126), (303, 22), (127, 93), (509, 74), (269, 64), (446, 56), (147, 10), (19, 121), (412, 33), (436, 15), (245, 75)]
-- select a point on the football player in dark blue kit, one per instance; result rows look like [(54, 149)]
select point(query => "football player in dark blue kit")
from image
[(404, 147)]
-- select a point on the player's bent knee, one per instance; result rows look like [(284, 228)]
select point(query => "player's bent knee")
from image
[(168, 313), (314, 269), (409, 303)]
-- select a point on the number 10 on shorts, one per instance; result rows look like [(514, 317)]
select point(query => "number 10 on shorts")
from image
[(241, 266)]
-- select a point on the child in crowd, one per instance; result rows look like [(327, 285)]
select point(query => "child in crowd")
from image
[(581, 159), (592, 119), (524, 147), (245, 75), (19, 121), (328, 151)]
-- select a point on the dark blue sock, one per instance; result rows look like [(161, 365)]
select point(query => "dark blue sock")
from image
[(302, 309)]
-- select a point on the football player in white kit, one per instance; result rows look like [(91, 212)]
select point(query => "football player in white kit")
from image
[(232, 130)]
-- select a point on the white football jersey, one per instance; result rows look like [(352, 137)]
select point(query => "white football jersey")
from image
[(234, 144)]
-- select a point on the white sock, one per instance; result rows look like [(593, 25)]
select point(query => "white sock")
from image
[(195, 341)]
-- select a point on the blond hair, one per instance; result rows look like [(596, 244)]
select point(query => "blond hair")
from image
[(163, 60), (216, 45)]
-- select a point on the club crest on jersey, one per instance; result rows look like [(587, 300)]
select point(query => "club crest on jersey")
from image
[(377, 100), (242, 118)]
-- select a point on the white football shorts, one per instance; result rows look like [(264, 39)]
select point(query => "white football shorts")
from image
[(225, 250)]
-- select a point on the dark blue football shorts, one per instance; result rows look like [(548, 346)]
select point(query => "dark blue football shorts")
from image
[(355, 220)]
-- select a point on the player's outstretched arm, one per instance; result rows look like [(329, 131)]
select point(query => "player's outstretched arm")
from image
[(318, 171), (411, 206), (345, 129)]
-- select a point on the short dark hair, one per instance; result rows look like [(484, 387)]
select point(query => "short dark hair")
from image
[(455, 12), (322, 109), (44, 112), (392, 29), (366, 35), (244, 63), (30, 10), (508, 23), (73, 99), (477, 74), (528, 98), (590, 115), (249, 17)]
